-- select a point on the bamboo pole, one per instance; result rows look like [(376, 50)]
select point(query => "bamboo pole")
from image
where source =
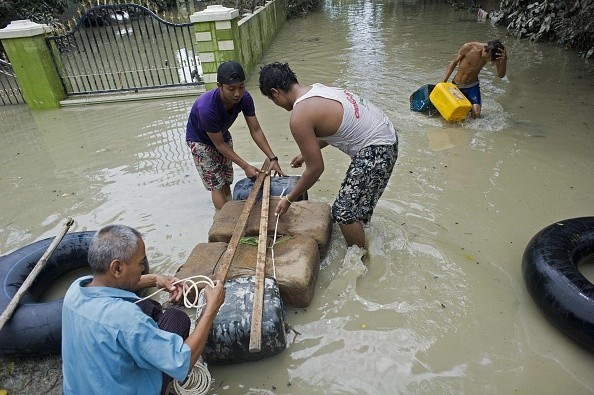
[(225, 261), (31, 277)]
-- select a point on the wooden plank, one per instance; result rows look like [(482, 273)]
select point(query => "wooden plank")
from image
[(225, 261), (257, 309)]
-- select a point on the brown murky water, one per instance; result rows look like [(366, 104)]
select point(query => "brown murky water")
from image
[(441, 306)]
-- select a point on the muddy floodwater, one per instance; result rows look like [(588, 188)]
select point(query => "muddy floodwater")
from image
[(441, 305)]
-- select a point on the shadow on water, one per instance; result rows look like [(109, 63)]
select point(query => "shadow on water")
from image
[(440, 305)]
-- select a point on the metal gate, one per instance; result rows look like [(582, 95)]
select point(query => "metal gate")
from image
[(125, 47), (10, 93)]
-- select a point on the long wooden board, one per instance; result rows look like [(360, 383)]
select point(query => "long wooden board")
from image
[(227, 257), (258, 306)]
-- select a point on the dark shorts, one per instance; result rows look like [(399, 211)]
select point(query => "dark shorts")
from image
[(171, 320), (473, 93), (214, 168), (365, 181)]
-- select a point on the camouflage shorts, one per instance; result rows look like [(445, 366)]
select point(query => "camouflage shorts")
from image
[(365, 181), (214, 168)]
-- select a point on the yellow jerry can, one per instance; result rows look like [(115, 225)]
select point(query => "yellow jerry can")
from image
[(450, 102)]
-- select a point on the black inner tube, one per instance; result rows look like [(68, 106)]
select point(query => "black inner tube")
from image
[(35, 328), (550, 270)]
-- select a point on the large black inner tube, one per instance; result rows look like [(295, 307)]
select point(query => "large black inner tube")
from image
[(35, 328), (550, 270), (279, 186)]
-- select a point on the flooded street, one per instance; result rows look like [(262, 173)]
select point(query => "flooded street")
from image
[(441, 306)]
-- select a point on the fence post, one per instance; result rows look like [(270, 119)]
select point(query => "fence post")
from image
[(36, 74), (217, 39)]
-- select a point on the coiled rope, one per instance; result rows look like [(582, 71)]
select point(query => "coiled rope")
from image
[(198, 382), (188, 285), (199, 379)]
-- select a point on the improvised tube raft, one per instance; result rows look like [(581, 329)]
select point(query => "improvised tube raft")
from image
[(302, 237), (35, 328), (550, 270)]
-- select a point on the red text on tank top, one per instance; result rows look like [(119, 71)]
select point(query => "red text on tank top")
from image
[(351, 100)]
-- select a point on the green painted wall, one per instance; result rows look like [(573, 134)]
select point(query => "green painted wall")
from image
[(257, 31), (35, 71)]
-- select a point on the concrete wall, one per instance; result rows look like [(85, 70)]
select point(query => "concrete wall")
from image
[(258, 30), (24, 42), (222, 36)]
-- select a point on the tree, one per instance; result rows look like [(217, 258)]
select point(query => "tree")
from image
[(40, 11), (568, 22)]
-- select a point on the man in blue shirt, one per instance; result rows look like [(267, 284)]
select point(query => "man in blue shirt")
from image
[(208, 137), (109, 344)]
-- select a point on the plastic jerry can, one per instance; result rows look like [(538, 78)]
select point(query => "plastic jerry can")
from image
[(419, 100), (450, 102)]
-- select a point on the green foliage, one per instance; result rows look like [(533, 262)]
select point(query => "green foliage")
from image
[(299, 8), (295, 8), (568, 22), (40, 11), (534, 21), (155, 5)]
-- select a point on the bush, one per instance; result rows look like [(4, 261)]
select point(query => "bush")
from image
[(568, 22), (299, 8), (295, 8), (40, 11)]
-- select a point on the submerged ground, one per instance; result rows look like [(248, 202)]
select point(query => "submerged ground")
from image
[(441, 306)]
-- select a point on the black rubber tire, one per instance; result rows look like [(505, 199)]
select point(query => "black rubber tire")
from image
[(550, 271), (243, 187), (35, 328), (229, 338)]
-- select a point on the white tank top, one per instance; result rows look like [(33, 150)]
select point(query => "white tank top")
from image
[(363, 124)]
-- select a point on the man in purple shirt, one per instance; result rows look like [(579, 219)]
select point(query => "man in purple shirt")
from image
[(208, 137)]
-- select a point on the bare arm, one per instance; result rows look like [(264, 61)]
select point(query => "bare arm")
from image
[(501, 62), (304, 134), (262, 143), (225, 149), (197, 339), (450, 69), (461, 53), (298, 160), (146, 281)]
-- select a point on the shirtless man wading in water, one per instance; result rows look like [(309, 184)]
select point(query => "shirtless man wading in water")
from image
[(471, 58)]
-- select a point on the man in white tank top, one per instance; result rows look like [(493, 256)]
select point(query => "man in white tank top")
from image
[(322, 116)]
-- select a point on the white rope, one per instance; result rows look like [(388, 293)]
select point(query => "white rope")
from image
[(197, 383), (199, 380), (188, 285), (274, 238), (272, 247)]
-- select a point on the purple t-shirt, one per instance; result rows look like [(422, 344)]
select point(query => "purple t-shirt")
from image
[(208, 115)]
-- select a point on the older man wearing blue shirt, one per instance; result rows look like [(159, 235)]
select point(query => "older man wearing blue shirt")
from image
[(110, 344)]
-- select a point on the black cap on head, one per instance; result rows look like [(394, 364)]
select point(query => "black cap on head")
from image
[(230, 72)]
